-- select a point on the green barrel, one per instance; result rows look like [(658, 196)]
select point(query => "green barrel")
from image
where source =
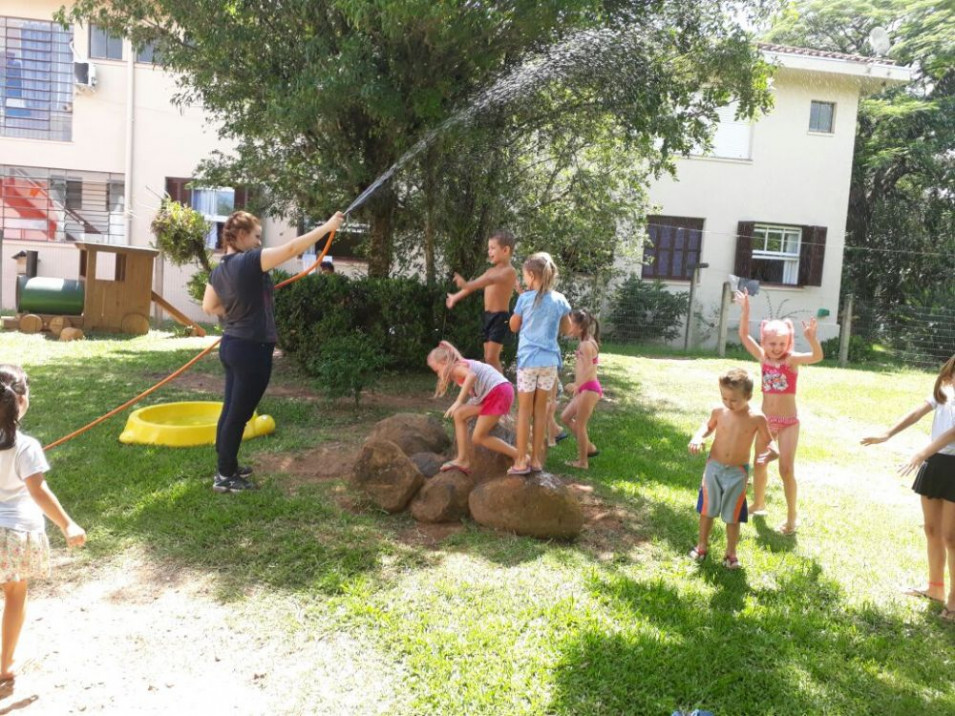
[(61, 296)]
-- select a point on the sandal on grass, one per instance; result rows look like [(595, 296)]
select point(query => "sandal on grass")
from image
[(947, 615), (787, 530), (923, 593), (697, 554), (730, 562)]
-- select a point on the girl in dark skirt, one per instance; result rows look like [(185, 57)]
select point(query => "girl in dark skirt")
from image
[(935, 483)]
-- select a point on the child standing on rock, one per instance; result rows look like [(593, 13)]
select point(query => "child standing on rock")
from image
[(485, 395)]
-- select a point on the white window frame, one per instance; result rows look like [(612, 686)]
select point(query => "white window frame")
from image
[(789, 242), (813, 104)]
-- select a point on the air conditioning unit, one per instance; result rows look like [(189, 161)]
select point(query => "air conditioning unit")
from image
[(84, 76)]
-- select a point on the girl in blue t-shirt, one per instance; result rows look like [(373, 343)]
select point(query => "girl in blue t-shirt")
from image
[(539, 315)]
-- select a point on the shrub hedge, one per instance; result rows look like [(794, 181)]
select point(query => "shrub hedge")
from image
[(401, 318)]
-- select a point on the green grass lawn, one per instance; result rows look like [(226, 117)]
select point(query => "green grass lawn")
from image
[(487, 623)]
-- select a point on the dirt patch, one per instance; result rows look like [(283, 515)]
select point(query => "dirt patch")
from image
[(429, 536), (131, 636), (609, 530), (329, 461)]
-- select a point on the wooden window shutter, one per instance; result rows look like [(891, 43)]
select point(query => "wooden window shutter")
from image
[(811, 255), (178, 191), (241, 198), (744, 249)]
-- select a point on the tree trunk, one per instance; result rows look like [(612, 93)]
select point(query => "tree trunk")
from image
[(381, 209)]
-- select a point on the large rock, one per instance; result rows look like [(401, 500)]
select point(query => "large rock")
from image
[(444, 498), (412, 433), (539, 505), (428, 463), (386, 476), (487, 464)]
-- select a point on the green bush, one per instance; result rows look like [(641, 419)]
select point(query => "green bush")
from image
[(402, 318), (860, 350), (347, 364), (642, 310)]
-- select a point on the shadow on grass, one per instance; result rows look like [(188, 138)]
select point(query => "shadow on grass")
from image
[(162, 496), (793, 649)]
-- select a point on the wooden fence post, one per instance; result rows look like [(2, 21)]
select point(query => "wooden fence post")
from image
[(845, 332), (725, 302)]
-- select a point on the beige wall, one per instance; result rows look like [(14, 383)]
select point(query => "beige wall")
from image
[(168, 141), (794, 176)]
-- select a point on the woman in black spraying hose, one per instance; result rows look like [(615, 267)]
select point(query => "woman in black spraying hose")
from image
[(240, 291)]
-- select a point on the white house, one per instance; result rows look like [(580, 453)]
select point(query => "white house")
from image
[(769, 202), (89, 142)]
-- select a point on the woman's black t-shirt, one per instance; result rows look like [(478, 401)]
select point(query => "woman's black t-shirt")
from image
[(246, 293)]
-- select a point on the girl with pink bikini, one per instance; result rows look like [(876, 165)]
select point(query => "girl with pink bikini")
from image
[(780, 369), (585, 389)]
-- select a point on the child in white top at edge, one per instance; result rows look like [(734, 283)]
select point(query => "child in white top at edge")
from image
[(779, 365), (541, 313), (485, 395), (935, 483), (25, 498)]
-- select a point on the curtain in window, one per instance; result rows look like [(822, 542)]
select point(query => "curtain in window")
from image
[(204, 201)]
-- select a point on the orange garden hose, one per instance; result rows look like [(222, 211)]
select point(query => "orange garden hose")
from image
[(187, 366)]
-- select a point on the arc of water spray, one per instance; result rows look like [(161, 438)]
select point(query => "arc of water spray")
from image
[(555, 63)]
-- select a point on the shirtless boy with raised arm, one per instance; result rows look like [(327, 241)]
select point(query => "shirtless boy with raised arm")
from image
[(498, 282), (736, 425)]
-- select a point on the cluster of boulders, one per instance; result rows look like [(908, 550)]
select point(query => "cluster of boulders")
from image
[(400, 468)]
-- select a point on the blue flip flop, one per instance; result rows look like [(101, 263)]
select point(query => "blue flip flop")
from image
[(563, 436)]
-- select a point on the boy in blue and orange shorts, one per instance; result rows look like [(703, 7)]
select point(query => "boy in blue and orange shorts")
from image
[(735, 426)]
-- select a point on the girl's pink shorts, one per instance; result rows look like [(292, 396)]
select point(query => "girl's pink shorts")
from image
[(498, 401)]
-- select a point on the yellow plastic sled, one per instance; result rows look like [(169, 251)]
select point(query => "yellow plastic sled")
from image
[(185, 425)]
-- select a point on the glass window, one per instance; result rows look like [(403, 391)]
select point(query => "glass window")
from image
[(732, 138), (821, 115), (148, 54), (104, 46), (215, 204), (36, 80), (776, 254), (58, 205), (673, 247)]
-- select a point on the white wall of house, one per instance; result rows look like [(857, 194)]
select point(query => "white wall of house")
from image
[(789, 176), (167, 141)]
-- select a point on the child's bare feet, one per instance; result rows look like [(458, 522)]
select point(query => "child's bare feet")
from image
[(579, 464), (788, 528)]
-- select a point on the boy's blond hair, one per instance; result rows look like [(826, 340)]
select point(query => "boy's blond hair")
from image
[(739, 380)]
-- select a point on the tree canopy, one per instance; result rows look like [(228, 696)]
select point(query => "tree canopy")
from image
[(323, 96)]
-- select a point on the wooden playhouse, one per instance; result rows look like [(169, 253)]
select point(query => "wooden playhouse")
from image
[(119, 304)]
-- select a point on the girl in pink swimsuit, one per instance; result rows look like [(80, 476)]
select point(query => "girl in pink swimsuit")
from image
[(585, 389), (780, 368)]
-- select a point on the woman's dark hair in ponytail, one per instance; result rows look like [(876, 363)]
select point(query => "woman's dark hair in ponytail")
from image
[(13, 386)]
